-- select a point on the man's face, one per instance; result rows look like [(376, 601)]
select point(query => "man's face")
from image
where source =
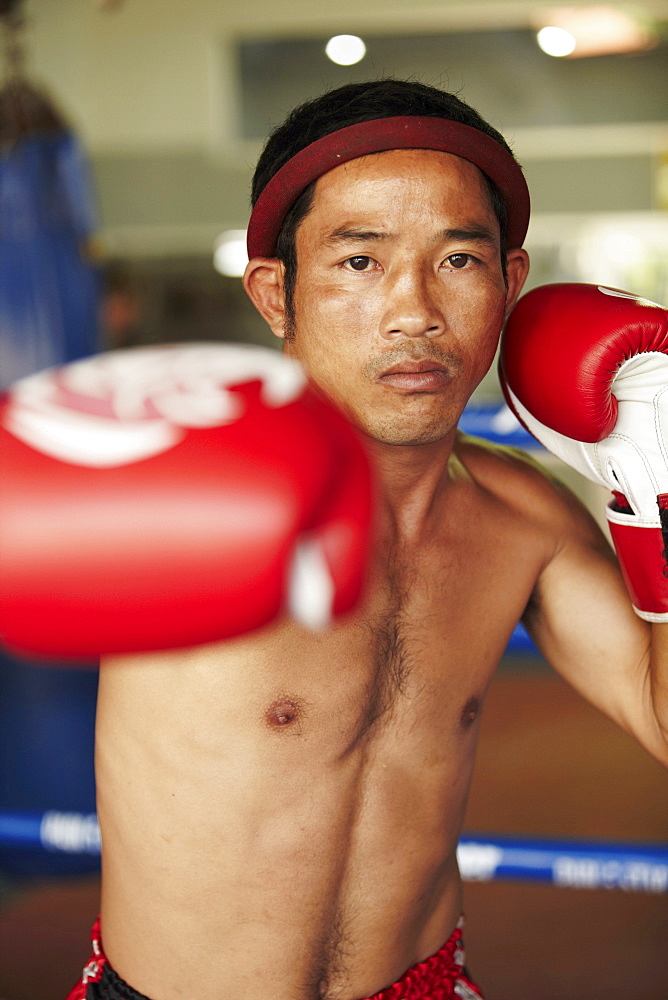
[(400, 294)]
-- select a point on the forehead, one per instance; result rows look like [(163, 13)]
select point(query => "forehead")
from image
[(400, 177)]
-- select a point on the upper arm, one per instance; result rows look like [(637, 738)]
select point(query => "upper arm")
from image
[(581, 619)]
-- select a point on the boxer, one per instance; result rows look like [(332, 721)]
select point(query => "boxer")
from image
[(280, 811)]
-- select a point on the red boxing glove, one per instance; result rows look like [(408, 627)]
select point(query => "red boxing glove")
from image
[(585, 369), (164, 497)]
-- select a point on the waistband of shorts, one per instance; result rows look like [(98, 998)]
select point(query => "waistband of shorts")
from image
[(438, 977), (435, 976), (92, 971)]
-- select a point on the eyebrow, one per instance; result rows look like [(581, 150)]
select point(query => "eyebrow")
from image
[(467, 234), (471, 234), (345, 235)]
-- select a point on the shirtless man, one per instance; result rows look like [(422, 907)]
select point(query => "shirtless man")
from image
[(280, 812)]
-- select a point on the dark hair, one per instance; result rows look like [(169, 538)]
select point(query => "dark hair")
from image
[(26, 110), (349, 105)]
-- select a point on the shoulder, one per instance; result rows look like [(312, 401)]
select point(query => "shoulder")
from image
[(526, 488), (502, 470)]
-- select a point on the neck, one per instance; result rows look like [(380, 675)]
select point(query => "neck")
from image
[(412, 480)]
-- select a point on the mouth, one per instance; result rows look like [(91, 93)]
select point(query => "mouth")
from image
[(416, 376)]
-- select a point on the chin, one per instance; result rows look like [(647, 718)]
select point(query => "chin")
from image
[(408, 433)]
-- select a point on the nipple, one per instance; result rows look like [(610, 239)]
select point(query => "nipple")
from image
[(470, 712), (283, 714)]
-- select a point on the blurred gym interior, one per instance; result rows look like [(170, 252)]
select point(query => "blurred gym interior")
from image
[(165, 107)]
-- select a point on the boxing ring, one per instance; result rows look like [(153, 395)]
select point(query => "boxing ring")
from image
[(68, 839)]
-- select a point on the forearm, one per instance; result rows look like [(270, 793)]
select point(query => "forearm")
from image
[(658, 681)]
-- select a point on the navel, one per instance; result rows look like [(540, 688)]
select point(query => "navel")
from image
[(283, 714), (470, 712)]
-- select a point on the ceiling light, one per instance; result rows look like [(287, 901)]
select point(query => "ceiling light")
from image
[(555, 41), (229, 253), (595, 31), (345, 50)]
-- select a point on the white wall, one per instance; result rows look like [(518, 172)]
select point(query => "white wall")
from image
[(150, 85), (144, 74)]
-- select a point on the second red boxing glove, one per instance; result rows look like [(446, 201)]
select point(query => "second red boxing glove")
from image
[(165, 497), (585, 368)]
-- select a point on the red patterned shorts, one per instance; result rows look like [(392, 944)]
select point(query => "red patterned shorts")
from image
[(440, 977)]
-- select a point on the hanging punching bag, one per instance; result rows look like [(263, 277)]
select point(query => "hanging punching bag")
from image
[(48, 315)]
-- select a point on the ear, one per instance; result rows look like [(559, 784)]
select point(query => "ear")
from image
[(517, 268), (264, 284)]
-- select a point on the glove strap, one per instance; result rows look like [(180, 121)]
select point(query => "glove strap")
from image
[(642, 546)]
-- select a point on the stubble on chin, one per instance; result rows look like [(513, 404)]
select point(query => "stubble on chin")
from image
[(405, 429)]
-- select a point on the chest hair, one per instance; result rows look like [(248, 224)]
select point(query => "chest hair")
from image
[(392, 641)]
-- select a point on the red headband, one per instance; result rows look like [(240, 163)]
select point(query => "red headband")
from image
[(376, 136)]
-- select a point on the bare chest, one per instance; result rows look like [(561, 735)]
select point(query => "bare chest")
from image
[(409, 669), (414, 662)]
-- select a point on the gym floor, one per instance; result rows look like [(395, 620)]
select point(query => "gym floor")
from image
[(549, 765)]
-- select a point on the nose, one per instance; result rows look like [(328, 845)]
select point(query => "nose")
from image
[(411, 308)]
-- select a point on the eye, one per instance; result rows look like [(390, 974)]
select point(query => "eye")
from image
[(459, 260), (359, 263)]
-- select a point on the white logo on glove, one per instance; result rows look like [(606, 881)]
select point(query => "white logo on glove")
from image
[(130, 405), (616, 294)]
